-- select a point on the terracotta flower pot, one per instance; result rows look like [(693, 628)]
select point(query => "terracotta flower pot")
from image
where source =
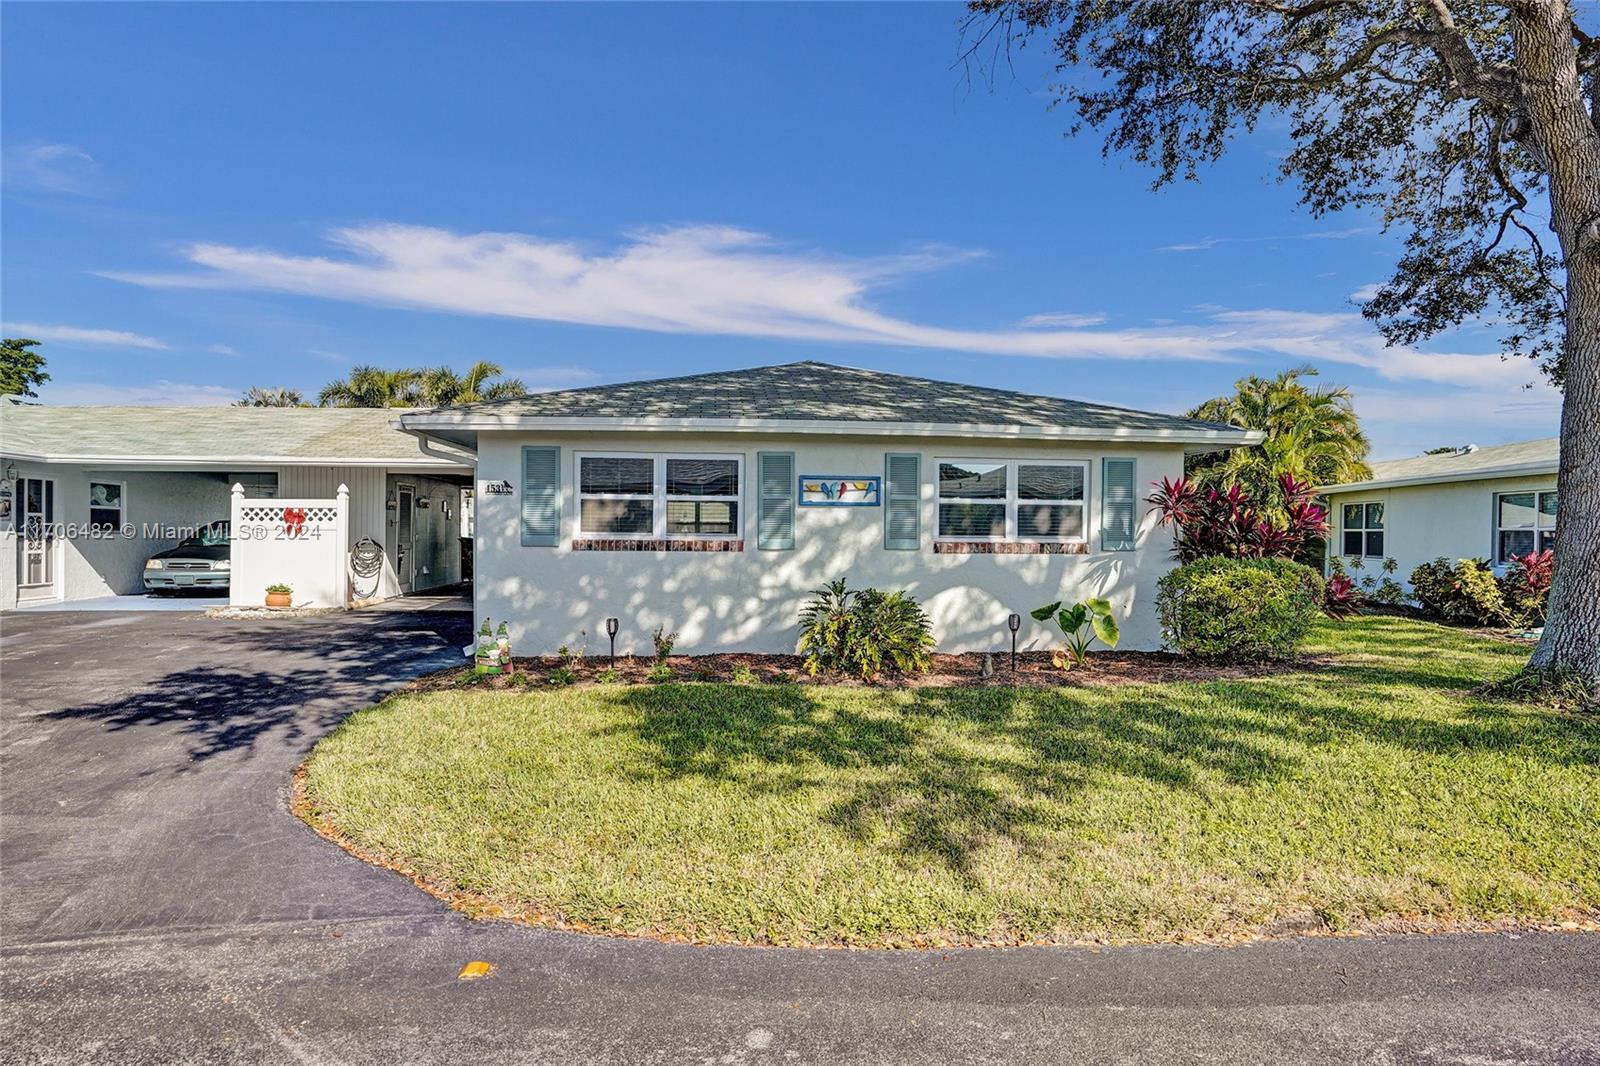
[(278, 599)]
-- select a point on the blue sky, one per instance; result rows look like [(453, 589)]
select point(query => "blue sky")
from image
[(202, 198)]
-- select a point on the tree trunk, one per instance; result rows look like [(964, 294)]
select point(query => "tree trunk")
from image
[(1567, 138)]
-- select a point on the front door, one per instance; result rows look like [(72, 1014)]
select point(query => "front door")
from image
[(405, 536), (36, 567)]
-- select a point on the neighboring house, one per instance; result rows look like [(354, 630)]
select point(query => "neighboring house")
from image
[(104, 488), (713, 505), (1474, 503)]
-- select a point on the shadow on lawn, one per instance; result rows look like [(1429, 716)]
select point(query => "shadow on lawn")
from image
[(940, 773)]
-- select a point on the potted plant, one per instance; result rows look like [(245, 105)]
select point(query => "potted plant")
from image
[(279, 595)]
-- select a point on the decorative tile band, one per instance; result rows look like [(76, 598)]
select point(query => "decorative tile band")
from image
[(625, 544), (1007, 547)]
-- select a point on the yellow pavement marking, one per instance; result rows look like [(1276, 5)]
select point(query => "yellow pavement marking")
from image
[(473, 970)]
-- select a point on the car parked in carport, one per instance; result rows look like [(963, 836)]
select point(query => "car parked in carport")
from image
[(203, 561)]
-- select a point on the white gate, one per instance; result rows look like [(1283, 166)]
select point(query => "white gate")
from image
[(299, 543)]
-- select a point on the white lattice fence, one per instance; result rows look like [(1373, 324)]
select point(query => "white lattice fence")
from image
[(299, 543)]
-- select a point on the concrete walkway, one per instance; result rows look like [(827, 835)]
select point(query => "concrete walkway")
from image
[(160, 904)]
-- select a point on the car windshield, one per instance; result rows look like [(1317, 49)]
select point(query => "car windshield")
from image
[(215, 533)]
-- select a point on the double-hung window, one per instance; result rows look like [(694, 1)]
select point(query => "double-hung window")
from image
[(702, 496), (1524, 522), (659, 496), (1363, 529), (1012, 499)]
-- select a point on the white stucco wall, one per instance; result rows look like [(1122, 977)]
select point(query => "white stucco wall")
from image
[(1423, 522), (749, 600), (111, 565)]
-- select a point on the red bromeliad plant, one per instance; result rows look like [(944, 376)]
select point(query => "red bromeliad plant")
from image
[(1212, 522), (1341, 598), (1537, 570)]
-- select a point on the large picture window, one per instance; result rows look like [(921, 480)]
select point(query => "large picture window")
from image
[(999, 499), (1363, 529), (1524, 522), (657, 496)]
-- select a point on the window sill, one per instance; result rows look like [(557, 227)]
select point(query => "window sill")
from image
[(1007, 547), (653, 544)]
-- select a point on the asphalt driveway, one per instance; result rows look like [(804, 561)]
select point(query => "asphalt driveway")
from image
[(158, 903)]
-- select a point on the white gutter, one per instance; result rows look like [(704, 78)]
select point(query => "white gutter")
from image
[(241, 462), (430, 442), (1543, 466), (532, 423)]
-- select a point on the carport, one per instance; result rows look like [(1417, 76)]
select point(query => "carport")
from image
[(88, 494)]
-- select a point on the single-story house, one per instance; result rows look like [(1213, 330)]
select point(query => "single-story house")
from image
[(1471, 503), (87, 494), (712, 505)]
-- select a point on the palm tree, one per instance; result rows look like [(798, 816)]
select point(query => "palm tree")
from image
[(370, 386), (440, 386), (1312, 434), (256, 396)]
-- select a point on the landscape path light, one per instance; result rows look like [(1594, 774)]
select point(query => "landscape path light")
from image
[(1014, 623), (611, 631)]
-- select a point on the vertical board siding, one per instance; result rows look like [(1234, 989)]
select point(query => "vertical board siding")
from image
[(541, 496), (366, 485), (775, 499), (1118, 505), (902, 511)]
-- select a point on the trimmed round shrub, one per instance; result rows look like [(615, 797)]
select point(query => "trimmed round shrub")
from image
[(1239, 609)]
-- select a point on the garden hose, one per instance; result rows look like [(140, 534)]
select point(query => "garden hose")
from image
[(366, 565)]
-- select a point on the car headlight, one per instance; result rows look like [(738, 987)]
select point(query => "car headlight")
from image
[(222, 564), (154, 564)]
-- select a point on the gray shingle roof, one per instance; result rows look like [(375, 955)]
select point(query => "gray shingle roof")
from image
[(1528, 456), (823, 392), (207, 434)]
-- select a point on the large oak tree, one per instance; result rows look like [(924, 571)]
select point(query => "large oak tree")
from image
[(1472, 126)]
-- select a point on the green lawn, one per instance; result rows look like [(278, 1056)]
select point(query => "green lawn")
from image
[(1371, 786)]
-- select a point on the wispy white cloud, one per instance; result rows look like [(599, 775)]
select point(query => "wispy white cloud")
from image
[(222, 349), (686, 279), (1204, 243), (78, 335), (1061, 320), (1406, 422), (151, 394), (64, 168), (716, 280), (1365, 293)]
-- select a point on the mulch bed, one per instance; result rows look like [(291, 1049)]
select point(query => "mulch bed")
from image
[(1034, 669)]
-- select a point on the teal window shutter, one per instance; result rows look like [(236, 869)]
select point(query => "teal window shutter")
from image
[(775, 489), (1119, 509), (541, 496), (902, 501)]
